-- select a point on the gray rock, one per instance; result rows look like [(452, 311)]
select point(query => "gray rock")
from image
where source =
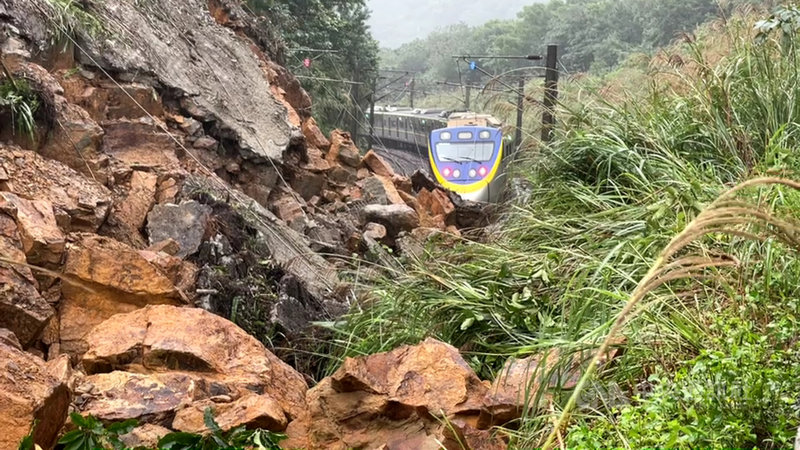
[(178, 46), (185, 223), (375, 191), (395, 218)]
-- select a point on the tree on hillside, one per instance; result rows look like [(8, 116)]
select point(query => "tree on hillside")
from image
[(339, 27), (592, 35)]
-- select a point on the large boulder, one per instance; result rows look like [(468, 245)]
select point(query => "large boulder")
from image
[(151, 398), (343, 150), (80, 204), (192, 68), (22, 309), (186, 224), (377, 165), (42, 240), (140, 144), (395, 218), (394, 400), (29, 393), (252, 410), (314, 136), (109, 278), (141, 196), (221, 357)]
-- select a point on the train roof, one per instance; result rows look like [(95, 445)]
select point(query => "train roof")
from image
[(442, 115)]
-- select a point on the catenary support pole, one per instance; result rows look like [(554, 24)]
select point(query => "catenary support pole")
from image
[(520, 106), (550, 92)]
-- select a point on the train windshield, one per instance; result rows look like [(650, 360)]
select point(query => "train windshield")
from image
[(465, 151)]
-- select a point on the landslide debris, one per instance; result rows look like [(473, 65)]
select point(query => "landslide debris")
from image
[(175, 180)]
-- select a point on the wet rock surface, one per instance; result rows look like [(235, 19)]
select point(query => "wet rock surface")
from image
[(22, 309), (81, 203), (185, 224), (154, 353), (28, 394), (397, 400), (179, 189)]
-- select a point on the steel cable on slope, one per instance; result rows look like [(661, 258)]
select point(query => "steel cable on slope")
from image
[(212, 176)]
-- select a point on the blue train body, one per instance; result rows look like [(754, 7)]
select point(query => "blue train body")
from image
[(468, 160)]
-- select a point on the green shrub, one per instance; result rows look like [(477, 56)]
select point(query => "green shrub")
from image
[(19, 101)]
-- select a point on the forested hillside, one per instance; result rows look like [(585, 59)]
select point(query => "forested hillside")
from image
[(334, 37), (592, 34)]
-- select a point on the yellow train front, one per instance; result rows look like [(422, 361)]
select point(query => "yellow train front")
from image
[(467, 157)]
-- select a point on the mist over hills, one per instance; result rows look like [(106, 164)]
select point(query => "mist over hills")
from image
[(394, 23)]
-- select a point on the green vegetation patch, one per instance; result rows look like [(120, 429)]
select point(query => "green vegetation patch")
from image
[(19, 101), (709, 357)]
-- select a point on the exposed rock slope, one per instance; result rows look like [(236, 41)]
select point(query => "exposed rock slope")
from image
[(175, 170)]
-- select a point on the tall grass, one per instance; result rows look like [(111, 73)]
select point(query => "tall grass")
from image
[(604, 201)]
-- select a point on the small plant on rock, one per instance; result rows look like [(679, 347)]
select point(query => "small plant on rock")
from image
[(21, 102), (92, 434)]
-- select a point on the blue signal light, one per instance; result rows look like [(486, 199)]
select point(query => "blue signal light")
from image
[(473, 65)]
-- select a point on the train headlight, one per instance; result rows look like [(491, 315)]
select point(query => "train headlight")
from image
[(446, 172), (465, 135), (445, 136), (456, 173), (473, 173), (485, 135), (483, 171)]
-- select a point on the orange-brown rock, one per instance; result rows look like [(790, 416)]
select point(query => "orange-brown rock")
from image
[(83, 202), (462, 434), (144, 436), (410, 200), (74, 139), (314, 135), (343, 149), (403, 183), (286, 207), (435, 203), (381, 190), (182, 274), (42, 240), (132, 210), (113, 278), (22, 309), (154, 398), (160, 338), (167, 190), (377, 165), (392, 194), (316, 162), (252, 411), (140, 144), (105, 100), (28, 394), (389, 400), (168, 246), (517, 387)]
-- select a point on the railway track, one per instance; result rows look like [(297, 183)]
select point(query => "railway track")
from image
[(404, 162)]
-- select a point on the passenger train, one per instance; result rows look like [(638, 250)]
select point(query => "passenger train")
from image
[(464, 149)]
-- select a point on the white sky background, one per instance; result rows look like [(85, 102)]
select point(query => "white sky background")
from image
[(395, 22)]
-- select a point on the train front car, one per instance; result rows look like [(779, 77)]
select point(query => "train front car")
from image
[(468, 160)]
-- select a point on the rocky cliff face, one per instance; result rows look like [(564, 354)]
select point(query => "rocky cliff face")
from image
[(174, 170)]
